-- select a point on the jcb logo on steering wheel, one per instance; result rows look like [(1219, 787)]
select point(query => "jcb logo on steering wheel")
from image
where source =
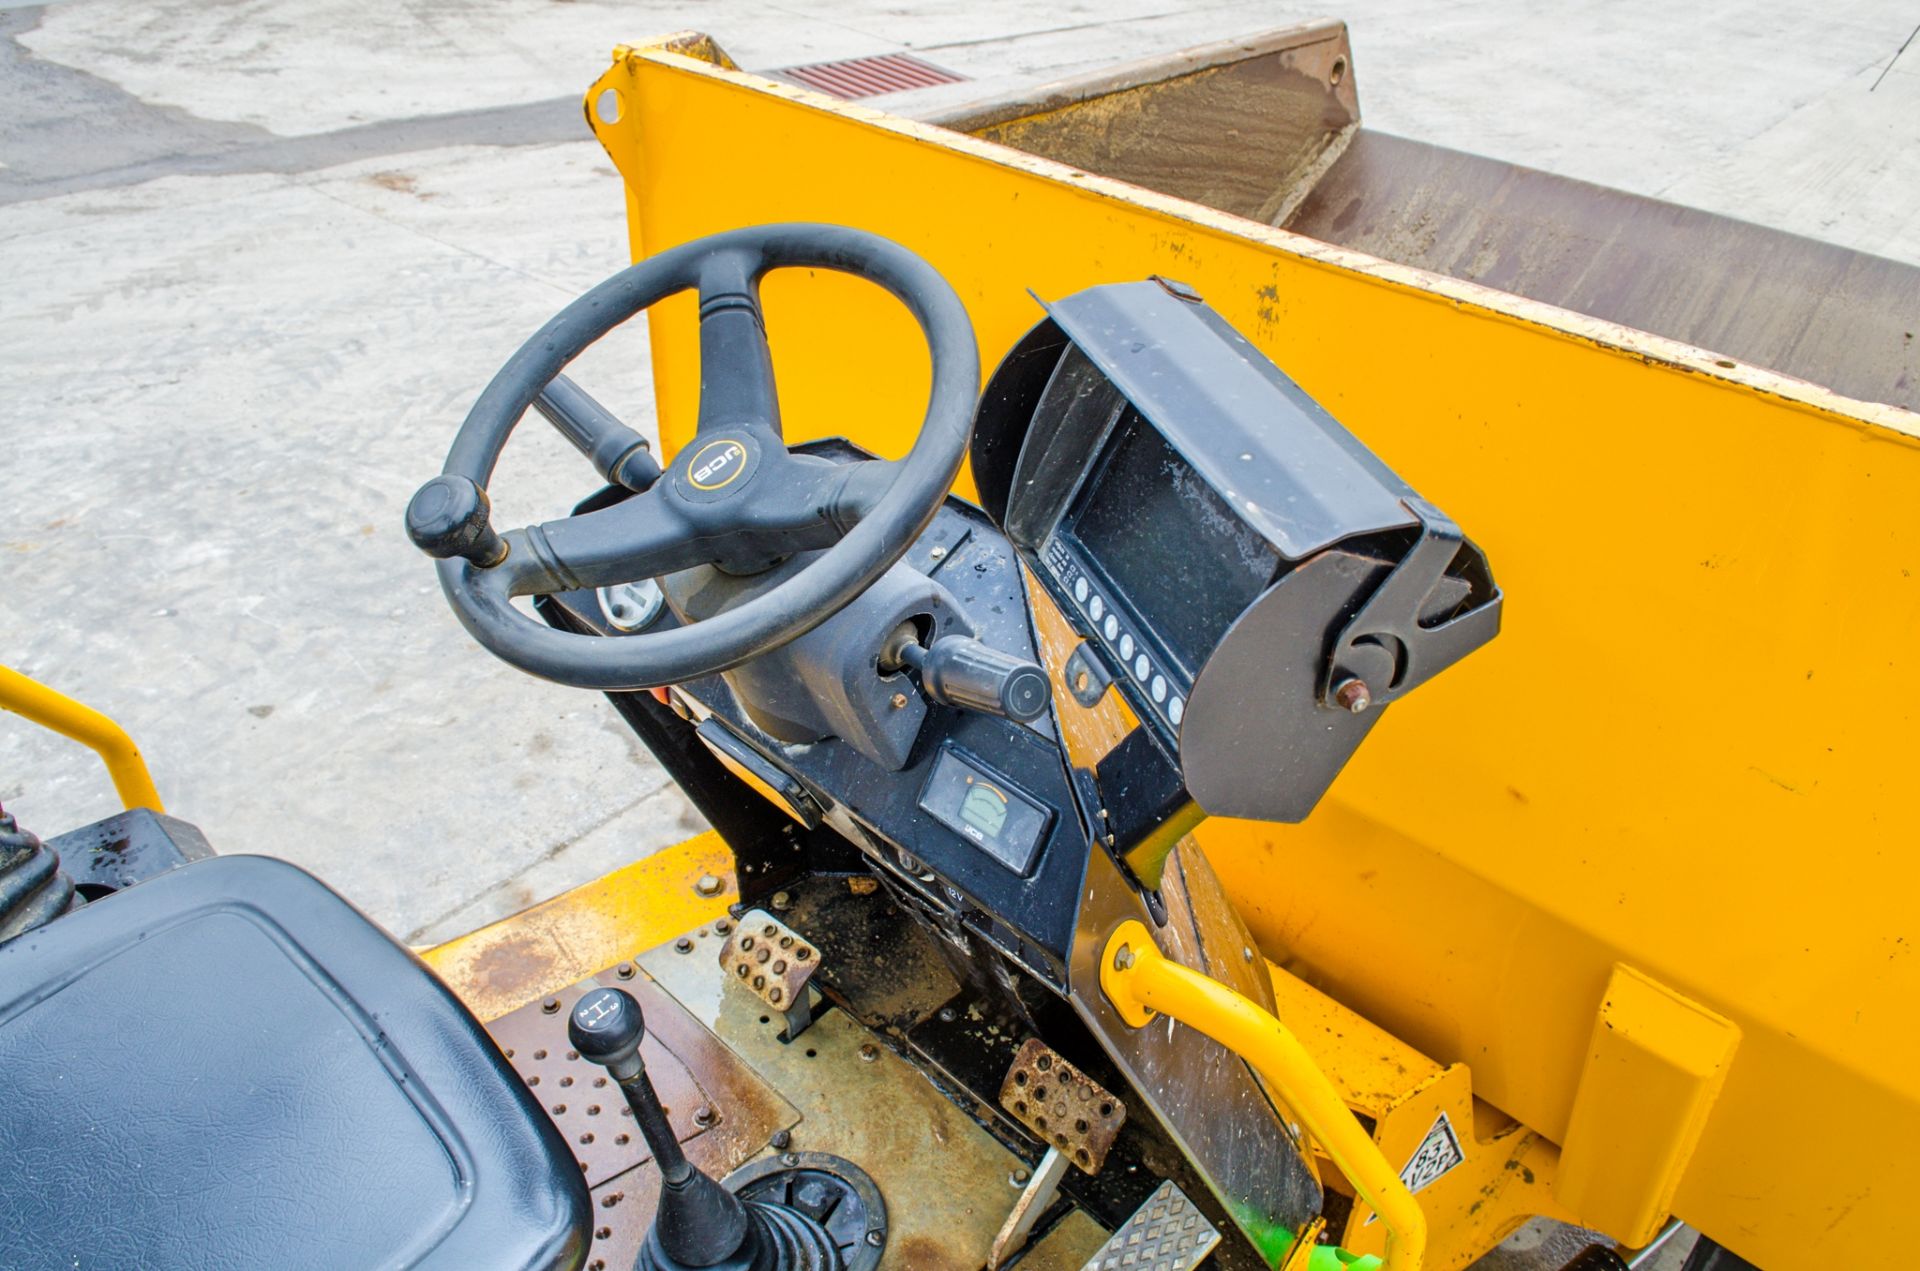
[(717, 464)]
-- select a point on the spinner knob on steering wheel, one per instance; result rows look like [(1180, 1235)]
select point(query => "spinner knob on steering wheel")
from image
[(734, 496)]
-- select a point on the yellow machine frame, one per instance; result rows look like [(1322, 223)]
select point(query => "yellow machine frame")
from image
[(1643, 866)]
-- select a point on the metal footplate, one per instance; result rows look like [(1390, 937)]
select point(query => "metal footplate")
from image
[(1165, 1234), (1074, 1115), (773, 962)]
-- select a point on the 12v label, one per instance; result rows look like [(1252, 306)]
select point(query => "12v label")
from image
[(1439, 1154)]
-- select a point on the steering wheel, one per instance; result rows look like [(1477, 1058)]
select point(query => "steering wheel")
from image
[(734, 497)]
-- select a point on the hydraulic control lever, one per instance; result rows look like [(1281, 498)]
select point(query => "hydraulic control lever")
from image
[(616, 451), (699, 1223), (963, 672)]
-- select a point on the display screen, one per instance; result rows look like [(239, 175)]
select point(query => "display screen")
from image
[(985, 809), (1182, 560)]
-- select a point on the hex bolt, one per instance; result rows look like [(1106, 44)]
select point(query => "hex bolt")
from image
[(782, 901), (1352, 695), (869, 1052), (683, 945), (937, 552), (876, 1237), (703, 1116), (781, 1140), (707, 885), (723, 926), (1018, 1178), (551, 1006), (624, 970)]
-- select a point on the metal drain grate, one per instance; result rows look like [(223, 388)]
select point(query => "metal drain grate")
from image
[(870, 76)]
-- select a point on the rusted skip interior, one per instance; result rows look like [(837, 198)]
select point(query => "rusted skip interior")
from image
[(1268, 128)]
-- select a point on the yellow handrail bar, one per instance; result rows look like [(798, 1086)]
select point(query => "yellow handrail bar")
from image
[(57, 711), (1140, 980)]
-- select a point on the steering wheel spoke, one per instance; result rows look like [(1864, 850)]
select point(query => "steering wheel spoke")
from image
[(640, 537), (736, 365), (816, 502), (858, 490)]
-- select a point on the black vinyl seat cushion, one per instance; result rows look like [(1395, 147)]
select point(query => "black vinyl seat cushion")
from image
[(229, 1066)]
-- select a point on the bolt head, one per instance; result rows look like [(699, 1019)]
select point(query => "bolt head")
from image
[(1123, 958), (876, 1238), (898, 700), (1352, 695), (708, 885), (551, 1006), (782, 1140), (624, 970), (683, 945)]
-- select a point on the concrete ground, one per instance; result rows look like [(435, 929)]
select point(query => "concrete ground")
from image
[(257, 257)]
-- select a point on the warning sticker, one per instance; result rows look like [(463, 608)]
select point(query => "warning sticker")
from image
[(1439, 1153)]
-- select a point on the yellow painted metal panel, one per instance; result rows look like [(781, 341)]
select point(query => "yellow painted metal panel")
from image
[(1503, 1174), (1654, 1068), (585, 931), (1687, 750)]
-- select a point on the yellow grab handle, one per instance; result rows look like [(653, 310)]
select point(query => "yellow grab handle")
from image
[(1140, 980), (87, 726)]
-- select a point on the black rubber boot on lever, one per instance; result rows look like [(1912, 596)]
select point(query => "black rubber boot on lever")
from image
[(699, 1224)]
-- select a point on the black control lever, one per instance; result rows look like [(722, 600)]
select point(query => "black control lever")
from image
[(616, 451), (962, 671), (699, 1223)]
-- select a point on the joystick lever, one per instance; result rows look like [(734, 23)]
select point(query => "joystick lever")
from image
[(699, 1223)]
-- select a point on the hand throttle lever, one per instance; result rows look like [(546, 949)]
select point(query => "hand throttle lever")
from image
[(963, 672)]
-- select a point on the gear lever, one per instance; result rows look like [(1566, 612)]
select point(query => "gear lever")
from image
[(699, 1223)]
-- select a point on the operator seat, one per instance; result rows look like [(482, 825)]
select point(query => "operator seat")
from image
[(229, 1066)]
